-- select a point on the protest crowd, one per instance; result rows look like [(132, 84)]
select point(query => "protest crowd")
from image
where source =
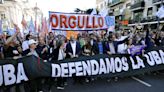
[(53, 47)]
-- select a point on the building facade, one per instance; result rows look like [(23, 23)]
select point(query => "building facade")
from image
[(12, 11), (133, 12), (144, 13), (121, 10), (118, 8), (101, 4)]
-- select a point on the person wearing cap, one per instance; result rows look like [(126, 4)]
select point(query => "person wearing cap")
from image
[(73, 50), (32, 85), (32, 48)]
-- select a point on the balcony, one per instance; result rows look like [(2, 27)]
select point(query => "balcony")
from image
[(147, 20), (116, 2), (137, 6), (157, 2)]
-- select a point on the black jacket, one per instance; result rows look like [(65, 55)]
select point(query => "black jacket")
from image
[(69, 49)]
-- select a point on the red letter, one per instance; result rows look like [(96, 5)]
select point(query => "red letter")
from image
[(88, 26), (79, 20), (94, 22), (73, 22), (51, 20), (63, 20), (101, 21)]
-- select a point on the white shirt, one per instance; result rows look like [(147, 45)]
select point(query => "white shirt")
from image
[(112, 49), (122, 48), (73, 45), (61, 55), (25, 45)]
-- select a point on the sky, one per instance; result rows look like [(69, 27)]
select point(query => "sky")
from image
[(64, 5)]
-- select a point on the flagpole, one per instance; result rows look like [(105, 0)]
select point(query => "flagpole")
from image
[(46, 29)]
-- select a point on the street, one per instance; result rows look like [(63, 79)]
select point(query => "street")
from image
[(144, 83)]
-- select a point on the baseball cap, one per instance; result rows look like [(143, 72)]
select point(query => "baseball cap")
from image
[(32, 41)]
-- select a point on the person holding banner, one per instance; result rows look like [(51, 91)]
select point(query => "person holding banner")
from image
[(32, 48), (87, 50), (73, 50), (32, 85), (59, 54), (42, 49), (98, 47)]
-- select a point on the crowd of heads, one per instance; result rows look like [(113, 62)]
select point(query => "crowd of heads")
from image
[(46, 44)]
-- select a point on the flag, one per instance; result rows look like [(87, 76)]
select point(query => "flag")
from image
[(39, 29), (31, 26), (11, 31), (24, 23), (94, 12), (49, 29), (160, 12), (104, 12), (136, 50), (110, 21), (44, 26)]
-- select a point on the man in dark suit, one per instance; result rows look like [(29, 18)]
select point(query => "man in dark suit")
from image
[(42, 49), (73, 48), (98, 46)]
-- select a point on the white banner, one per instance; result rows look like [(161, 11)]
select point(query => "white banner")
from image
[(63, 21)]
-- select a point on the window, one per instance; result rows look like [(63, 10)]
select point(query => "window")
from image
[(158, 6), (121, 7), (3, 16), (138, 15), (149, 12), (128, 5)]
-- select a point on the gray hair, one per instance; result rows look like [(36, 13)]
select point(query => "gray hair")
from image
[(59, 43)]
